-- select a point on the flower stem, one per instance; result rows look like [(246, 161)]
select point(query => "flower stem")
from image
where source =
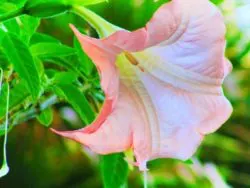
[(102, 27), (145, 176), (31, 113), (1, 79), (5, 168)]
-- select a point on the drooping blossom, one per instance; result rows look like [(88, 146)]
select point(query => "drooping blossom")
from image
[(162, 83)]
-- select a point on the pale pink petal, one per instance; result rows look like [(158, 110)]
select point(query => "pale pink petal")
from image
[(181, 144), (177, 35), (173, 97), (128, 41), (184, 117), (170, 22), (164, 24), (115, 134), (161, 27), (112, 131), (104, 61)]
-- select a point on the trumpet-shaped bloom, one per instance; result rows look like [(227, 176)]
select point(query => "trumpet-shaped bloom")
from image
[(163, 84)]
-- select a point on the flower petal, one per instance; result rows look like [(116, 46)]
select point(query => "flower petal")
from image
[(115, 133), (112, 131), (170, 95), (184, 117), (109, 75), (161, 27), (104, 61), (186, 47), (171, 21)]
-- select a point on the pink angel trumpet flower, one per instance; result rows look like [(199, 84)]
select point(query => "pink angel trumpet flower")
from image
[(163, 82)]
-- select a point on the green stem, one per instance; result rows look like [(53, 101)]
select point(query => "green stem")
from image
[(145, 177), (5, 168), (1, 79), (6, 122), (31, 113), (102, 27)]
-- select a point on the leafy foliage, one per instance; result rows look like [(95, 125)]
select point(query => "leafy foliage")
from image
[(23, 62), (48, 72), (114, 170), (78, 101), (46, 117)]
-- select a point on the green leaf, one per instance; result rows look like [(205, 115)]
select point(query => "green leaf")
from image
[(64, 78), (19, 55), (17, 95), (43, 38), (46, 8), (10, 10), (7, 7), (66, 62), (23, 27), (46, 117), (18, 3), (87, 2), (12, 26), (189, 161), (46, 50), (217, 1), (2, 34), (78, 101), (28, 26), (86, 64), (39, 66), (114, 170), (3, 60), (51, 8), (3, 96)]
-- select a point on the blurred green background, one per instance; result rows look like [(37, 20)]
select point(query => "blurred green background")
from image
[(41, 159)]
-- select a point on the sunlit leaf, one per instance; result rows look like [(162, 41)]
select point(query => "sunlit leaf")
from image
[(46, 8), (24, 65), (78, 101), (64, 77), (85, 62), (43, 38), (46, 117), (23, 27), (46, 50), (87, 2), (7, 7), (217, 1), (10, 9), (114, 170), (17, 95)]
